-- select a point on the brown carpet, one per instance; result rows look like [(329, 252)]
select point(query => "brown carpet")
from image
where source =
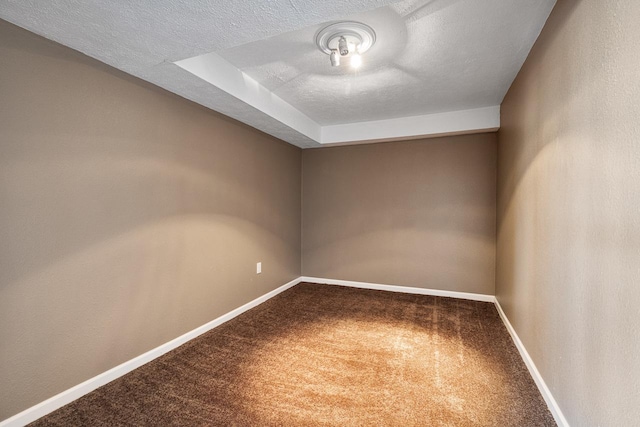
[(319, 355)]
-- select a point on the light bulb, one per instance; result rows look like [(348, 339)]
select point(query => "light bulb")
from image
[(335, 58), (343, 46), (356, 60)]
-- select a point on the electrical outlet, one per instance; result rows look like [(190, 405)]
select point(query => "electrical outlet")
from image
[(259, 268)]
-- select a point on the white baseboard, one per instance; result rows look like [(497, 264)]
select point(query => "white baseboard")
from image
[(396, 288), (31, 414), (542, 386), (59, 400)]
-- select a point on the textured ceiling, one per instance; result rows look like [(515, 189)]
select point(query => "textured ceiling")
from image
[(431, 55)]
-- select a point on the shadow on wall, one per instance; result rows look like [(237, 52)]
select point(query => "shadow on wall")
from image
[(538, 106), (547, 132), (128, 217), (547, 150), (568, 197), (64, 195), (94, 169), (418, 213)]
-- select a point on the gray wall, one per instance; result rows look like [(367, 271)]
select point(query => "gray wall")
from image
[(128, 216), (414, 213), (568, 271)]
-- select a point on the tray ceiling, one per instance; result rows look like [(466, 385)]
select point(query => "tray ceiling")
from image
[(437, 67)]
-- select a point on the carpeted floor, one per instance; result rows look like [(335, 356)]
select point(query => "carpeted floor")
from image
[(319, 355)]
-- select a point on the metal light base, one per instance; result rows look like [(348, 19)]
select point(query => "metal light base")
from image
[(356, 34)]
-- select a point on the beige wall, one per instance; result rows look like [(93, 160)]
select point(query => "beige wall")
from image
[(128, 216), (414, 213), (568, 255)]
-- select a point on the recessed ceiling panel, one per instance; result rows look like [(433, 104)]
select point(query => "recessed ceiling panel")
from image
[(430, 56)]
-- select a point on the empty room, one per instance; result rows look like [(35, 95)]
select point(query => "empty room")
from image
[(320, 213)]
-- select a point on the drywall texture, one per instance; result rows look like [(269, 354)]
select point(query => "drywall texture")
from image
[(413, 213), (128, 217), (569, 209)]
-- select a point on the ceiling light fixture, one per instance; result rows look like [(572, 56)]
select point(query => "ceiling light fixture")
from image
[(346, 39), (335, 58), (343, 47)]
